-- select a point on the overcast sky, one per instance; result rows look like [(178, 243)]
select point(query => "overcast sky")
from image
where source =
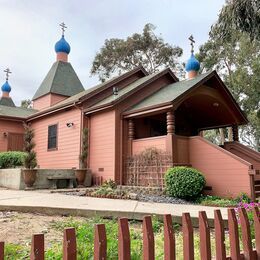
[(29, 30)]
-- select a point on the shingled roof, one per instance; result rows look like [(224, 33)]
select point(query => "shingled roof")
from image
[(169, 93), (62, 80), (17, 112), (6, 101)]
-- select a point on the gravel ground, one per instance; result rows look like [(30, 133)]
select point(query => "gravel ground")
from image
[(161, 199), (143, 197)]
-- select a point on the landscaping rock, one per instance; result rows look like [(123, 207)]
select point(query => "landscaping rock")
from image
[(161, 199), (132, 196)]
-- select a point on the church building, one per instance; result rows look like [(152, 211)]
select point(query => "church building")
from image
[(127, 114)]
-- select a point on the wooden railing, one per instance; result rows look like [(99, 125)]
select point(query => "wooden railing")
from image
[(124, 249)]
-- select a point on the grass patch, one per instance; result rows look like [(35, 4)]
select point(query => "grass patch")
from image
[(216, 201)]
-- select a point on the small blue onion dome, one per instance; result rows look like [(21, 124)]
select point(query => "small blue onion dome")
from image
[(62, 46), (6, 87), (192, 64)]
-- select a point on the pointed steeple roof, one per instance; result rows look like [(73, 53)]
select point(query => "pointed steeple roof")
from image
[(61, 79)]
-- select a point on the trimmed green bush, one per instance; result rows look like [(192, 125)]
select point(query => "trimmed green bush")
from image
[(11, 159), (184, 182)]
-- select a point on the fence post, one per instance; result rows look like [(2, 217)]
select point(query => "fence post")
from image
[(219, 236), (148, 239), (69, 244), (37, 247), (100, 242), (169, 238), (257, 230), (246, 235), (205, 249), (233, 234), (2, 250), (123, 240), (188, 238)]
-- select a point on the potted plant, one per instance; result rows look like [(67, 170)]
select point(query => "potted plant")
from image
[(30, 162), (81, 173)]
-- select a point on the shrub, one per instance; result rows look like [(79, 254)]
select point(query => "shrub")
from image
[(110, 184), (11, 159), (30, 161), (84, 148), (184, 182)]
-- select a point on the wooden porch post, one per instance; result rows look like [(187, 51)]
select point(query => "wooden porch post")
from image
[(235, 133), (170, 119), (131, 135)]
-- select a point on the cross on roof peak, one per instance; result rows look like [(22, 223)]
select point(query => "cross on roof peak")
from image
[(63, 27), (7, 72), (192, 41)]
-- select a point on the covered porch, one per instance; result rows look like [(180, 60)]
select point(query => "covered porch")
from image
[(176, 129)]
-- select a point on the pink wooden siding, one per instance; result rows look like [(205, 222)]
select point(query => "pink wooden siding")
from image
[(67, 154), (56, 99), (140, 145), (102, 145), (245, 153), (42, 102), (225, 172), (47, 101), (8, 127)]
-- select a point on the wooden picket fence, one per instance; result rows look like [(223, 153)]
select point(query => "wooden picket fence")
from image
[(124, 252)]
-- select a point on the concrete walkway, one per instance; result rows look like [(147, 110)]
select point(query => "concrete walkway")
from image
[(60, 204)]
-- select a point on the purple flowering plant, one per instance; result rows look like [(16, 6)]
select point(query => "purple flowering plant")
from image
[(248, 206)]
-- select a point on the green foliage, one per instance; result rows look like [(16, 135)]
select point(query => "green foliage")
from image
[(146, 49), (223, 202), (11, 159), (85, 239), (184, 182), (84, 148), (13, 251), (26, 103), (236, 59), (216, 201), (243, 197), (30, 161), (110, 183), (240, 15)]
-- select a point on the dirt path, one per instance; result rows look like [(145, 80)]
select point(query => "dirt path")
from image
[(18, 228)]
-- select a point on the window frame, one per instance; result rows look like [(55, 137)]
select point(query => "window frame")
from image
[(54, 148)]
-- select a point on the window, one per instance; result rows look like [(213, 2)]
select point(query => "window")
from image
[(52, 137)]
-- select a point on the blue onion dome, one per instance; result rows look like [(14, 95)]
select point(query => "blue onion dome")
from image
[(192, 64), (62, 46), (6, 87)]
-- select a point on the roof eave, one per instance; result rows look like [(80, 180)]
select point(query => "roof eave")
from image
[(126, 95), (112, 82), (51, 111)]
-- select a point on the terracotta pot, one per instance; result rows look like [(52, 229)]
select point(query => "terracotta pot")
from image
[(80, 176), (29, 177)]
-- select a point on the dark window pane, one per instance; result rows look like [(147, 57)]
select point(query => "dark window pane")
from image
[(52, 136)]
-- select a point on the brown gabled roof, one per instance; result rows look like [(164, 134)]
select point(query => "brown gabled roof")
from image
[(175, 92), (129, 90)]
